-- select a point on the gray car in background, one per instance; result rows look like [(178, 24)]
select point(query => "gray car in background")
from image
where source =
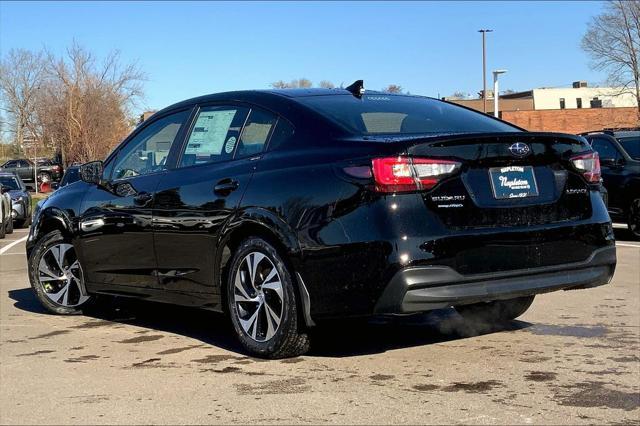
[(20, 198)]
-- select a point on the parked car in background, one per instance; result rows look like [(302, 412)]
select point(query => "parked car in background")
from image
[(6, 221), (20, 199), (620, 163), (286, 208), (47, 171), (70, 175)]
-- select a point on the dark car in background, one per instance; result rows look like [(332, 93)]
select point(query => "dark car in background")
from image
[(620, 163), (287, 208), (47, 170), (71, 175), (20, 198)]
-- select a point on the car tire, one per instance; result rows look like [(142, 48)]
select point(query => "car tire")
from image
[(54, 257), (497, 311), (23, 223), (633, 219), (44, 177), (262, 303), (9, 227), (2, 228)]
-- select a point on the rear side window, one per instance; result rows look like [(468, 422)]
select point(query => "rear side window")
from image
[(402, 115), (605, 149), (214, 135), (632, 146), (255, 133)]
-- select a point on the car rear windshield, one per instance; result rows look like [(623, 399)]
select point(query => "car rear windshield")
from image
[(632, 146), (376, 114)]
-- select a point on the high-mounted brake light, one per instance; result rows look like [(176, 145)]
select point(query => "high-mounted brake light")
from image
[(396, 174), (588, 165)]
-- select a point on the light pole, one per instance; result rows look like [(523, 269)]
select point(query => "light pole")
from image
[(484, 69), (496, 92)]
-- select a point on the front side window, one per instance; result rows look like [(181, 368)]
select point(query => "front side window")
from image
[(214, 135), (402, 115), (11, 163), (147, 152)]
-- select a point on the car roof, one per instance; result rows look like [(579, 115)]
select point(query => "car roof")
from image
[(267, 95)]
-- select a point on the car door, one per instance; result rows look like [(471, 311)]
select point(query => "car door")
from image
[(115, 231), (612, 169), (196, 199), (25, 170)]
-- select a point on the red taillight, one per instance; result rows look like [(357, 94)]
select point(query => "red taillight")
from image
[(588, 165), (395, 174), (56, 168)]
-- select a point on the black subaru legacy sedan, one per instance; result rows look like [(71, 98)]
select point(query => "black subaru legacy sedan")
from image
[(286, 208)]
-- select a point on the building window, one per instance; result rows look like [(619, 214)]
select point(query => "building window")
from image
[(579, 102), (562, 103), (596, 103)]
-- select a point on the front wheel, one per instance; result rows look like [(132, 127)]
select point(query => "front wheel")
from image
[(9, 228), (496, 311), (56, 275), (633, 221), (261, 302)]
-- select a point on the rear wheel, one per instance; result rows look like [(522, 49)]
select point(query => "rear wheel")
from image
[(496, 311), (633, 221), (262, 304), (56, 275), (44, 177), (23, 223), (2, 228), (9, 227)]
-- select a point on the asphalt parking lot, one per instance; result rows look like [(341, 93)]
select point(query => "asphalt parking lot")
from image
[(573, 358)]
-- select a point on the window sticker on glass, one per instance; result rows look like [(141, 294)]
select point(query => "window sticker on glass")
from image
[(231, 143), (210, 132)]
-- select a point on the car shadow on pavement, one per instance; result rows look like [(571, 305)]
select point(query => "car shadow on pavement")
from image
[(342, 338)]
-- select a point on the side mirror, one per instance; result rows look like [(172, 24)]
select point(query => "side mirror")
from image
[(3, 189), (91, 172)]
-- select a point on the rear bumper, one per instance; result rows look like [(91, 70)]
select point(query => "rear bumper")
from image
[(418, 289)]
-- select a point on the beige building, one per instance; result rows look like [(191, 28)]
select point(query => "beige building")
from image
[(575, 97)]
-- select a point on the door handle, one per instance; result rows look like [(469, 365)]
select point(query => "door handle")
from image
[(142, 198), (226, 186)]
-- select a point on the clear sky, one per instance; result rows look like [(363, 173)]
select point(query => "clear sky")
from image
[(193, 48)]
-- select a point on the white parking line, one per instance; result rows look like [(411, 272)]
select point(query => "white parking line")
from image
[(8, 246), (627, 245)]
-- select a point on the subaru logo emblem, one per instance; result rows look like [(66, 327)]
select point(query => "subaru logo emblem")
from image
[(519, 149)]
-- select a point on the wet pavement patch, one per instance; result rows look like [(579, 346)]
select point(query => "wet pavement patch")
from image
[(568, 330), (425, 388), (292, 360), (541, 376), (215, 358), (473, 387), (94, 324), (51, 334), (632, 358), (83, 358), (293, 385), (594, 394), (381, 377), (142, 339), (178, 350), (37, 353), (145, 362)]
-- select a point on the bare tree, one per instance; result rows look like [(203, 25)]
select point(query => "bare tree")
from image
[(459, 95), (326, 84), (301, 83), (392, 88), (84, 106), (612, 41), (21, 72)]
